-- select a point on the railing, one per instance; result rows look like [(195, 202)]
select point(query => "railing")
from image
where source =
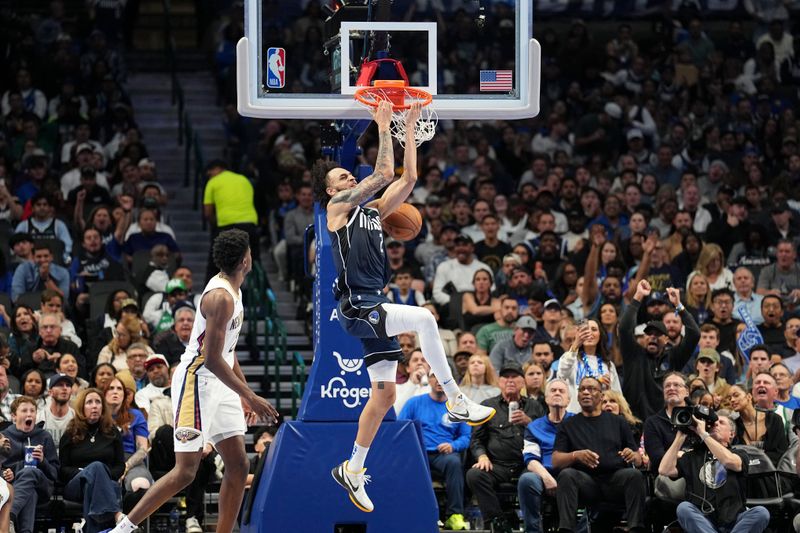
[(194, 161)]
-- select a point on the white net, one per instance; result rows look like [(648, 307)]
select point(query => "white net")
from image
[(425, 128)]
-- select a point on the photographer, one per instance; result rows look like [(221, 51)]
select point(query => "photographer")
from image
[(715, 482)]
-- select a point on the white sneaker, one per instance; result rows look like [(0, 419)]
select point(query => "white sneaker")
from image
[(465, 410), (354, 485), (193, 525)]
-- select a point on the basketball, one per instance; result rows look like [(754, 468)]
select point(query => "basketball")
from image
[(404, 224)]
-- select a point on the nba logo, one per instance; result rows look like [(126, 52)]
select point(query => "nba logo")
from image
[(276, 61)]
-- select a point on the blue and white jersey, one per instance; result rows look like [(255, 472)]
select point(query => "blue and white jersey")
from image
[(359, 254)]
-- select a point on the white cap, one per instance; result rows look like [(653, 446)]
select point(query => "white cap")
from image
[(613, 110)]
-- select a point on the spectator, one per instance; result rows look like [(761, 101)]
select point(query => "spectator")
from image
[(478, 306), (645, 367), (31, 484), (593, 450), (43, 226), (784, 383), (92, 460), (51, 346), (540, 436), (68, 364), (158, 376), (149, 237), (726, 501), (722, 311), (173, 342), (480, 379), (6, 397), (228, 204), (33, 99), (294, 226), (711, 264), (772, 328), (34, 385), (417, 383), (763, 429), (444, 441), (93, 263), (745, 295), (588, 356), (158, 308), (658, 430), (102, 374), (155, 276), (708, 368), (127, 333), (135, 373), (39, 275), (57, 414), (84, 155), (133, 428), (24, 337), (549, 331), (783, 277), (497, 444), (501, 329), (21, 245), (53, 302), (455, 275), (403, 292), (517, 349), (535, 382)]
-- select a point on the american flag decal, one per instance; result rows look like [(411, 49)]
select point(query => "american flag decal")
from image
[(496, 80)]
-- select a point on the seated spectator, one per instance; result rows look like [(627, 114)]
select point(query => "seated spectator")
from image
[(502, 328), (262, 440), (762, 429), (57, 414), (658, 429), (84, 157), (92, 461), (460, 365), (128, 332), (173, 342), (784, 383), (455, 275), (21, 245), (401, 290), (594, 450), (135, 373), (51, 347), (478, 305), (68, 365), (480, 379), (517, 349), (148, 237), (158, 308), (88, 193), (40, 275), (745, 295), (711, 264), (102, 329), (444, 442), (707, 367), (781, 278), (101, 375), (616, 404), (43, 226), (765, 398), (588, 356), (537, 453), (32, 483), (155, 276), (53, 302), (34, 385), (133, 427), (162, 227), (549, 330), (158, 376), (24, 336), (417, 383), (112, 232), (93, 262), (645, 367), (723, 504), (185, 273), (497, 444), (535, 381), (6, 397), (772, 329)]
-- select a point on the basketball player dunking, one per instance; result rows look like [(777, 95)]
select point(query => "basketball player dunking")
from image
[(210, 393), (364, 311)]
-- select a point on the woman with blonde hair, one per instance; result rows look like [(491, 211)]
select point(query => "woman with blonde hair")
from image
[(127, 331), (480, 380), (535, 382), (711, 264), (698, 296), (614, 402)]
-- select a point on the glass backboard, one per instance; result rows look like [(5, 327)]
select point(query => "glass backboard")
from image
[(305, 59)]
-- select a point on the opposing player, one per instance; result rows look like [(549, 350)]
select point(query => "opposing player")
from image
[(210, 393), (363, 271)]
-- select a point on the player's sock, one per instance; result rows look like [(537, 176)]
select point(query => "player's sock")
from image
[(125, 526), (356, 462), (434, 353)]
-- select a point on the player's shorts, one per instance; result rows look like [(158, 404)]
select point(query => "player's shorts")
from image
[(362, 315), (205, 409)]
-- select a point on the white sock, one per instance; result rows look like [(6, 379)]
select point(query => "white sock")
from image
[(359, 455), (125, 526)]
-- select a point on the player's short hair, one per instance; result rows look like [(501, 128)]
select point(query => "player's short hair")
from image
[(319, 180), (229, 249)]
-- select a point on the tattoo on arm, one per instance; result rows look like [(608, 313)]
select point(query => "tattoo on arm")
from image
[(381, 385), (383, 176)]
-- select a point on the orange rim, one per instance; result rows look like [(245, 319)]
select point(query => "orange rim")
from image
[(371, 96)]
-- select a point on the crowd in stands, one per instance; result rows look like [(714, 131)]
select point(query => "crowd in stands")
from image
[(632, 247)]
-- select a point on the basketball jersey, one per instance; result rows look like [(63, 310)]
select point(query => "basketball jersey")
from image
[(359, 254), (195, 354)]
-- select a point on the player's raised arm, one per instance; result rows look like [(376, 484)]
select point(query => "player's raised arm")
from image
[(384, 165), (398, 192)]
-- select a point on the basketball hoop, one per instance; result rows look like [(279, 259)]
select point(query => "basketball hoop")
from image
[(401, 97)]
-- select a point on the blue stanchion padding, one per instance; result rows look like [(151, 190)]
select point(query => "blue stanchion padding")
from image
[(338, 385), (296, 492)]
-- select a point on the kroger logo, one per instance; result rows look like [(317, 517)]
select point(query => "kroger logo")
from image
[(337, 387)]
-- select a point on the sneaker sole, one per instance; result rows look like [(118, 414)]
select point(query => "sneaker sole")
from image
[(349, 492)]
